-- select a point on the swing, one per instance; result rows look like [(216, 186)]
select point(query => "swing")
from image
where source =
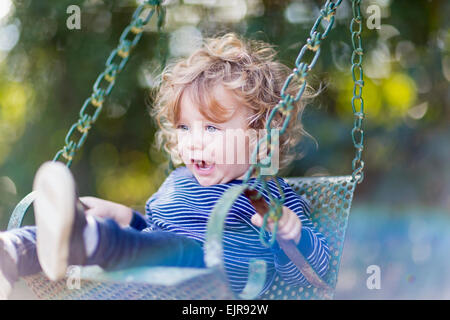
[(330, 197)]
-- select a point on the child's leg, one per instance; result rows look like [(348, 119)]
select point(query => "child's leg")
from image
[(18, 257), (62, 225), (120, 248), (24, 244), (117, 248)]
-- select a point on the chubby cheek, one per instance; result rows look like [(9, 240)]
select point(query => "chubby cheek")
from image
[(186, 157), (182, 147)]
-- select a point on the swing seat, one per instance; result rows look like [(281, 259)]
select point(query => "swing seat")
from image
[(330, 199)]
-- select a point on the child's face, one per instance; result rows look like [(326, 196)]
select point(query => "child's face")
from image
[(214, 152)]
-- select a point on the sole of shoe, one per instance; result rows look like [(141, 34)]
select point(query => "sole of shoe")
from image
[(5, 284), (5, 287), (54, 210)]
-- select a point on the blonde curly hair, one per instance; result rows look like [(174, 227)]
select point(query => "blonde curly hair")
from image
[(245, 67)]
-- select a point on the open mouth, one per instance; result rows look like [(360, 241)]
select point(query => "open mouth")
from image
[(202, 165)]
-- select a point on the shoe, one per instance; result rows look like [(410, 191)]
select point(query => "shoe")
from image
[(60, 220), (8, 270)]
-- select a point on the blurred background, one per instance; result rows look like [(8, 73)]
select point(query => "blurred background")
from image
[(400, 219)]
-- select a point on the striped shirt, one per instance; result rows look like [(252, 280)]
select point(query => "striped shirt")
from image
[(183, 206)]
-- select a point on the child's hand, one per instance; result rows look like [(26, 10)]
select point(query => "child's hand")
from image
[(108, 209), (289, 225)]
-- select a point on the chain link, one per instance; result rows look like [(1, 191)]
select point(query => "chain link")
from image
[(105, 82)]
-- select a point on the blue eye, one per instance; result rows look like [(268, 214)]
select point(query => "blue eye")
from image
[(211, 129), (182, 127)]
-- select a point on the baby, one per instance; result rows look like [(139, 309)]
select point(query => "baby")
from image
[(228, 85)]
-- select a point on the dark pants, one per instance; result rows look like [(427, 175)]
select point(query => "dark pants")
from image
[(119, 248)]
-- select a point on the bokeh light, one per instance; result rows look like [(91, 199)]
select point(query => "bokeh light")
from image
[(229, 11), (300, 12), (6, 8), (9, 36), (184, 41), (13, 114), (399, 92)]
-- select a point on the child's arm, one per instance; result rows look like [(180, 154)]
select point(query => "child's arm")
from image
[(289, 225), (312, 244), (295, 225), (123, 215), (313, 247)]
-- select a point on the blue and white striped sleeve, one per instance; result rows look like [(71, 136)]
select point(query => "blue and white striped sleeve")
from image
[(144, 222), (139, 221), (312, 245)]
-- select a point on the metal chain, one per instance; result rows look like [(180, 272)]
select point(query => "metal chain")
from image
[(357, 75), (285, 106), (104, 83)]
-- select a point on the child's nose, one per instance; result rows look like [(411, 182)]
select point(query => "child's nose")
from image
[(196, 140)]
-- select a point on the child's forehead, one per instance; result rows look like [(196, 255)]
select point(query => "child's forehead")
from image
[(216, 104)]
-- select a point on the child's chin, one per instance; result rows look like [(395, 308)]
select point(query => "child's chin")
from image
[(204, 181)]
